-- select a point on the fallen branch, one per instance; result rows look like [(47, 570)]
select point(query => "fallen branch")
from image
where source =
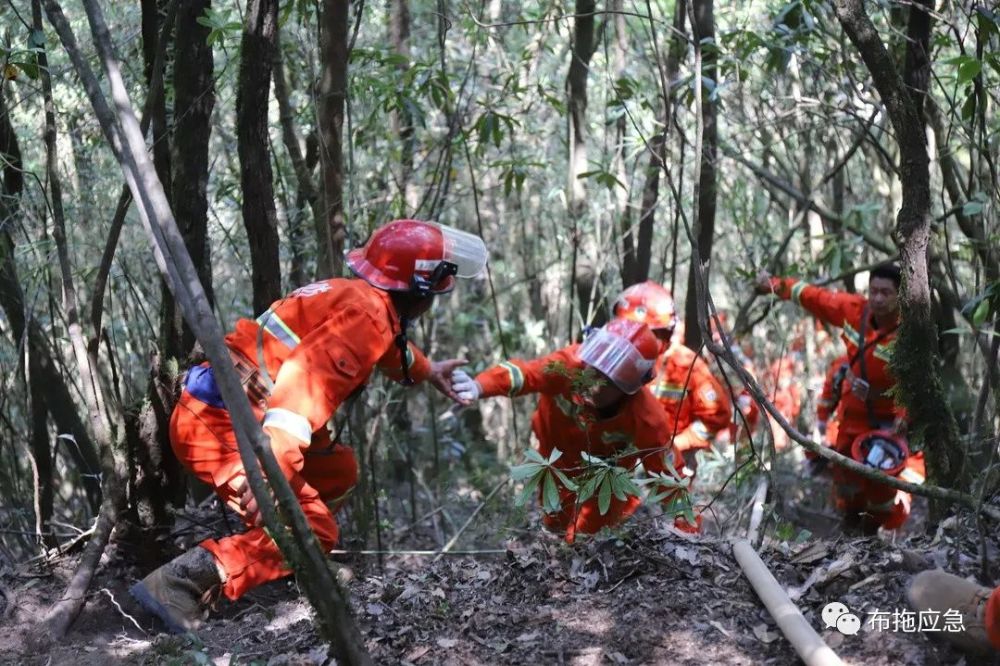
[(804, 639), (465, 525)]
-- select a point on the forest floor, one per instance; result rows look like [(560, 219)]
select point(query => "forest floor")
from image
[(642, 595)]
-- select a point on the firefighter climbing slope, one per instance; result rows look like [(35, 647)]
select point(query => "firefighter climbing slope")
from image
[(298, 362), (693, 401), (592, 400), (869, 422)]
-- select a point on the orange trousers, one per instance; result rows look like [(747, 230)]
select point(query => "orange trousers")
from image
[(853, 493), (202, 437), (992, 619)]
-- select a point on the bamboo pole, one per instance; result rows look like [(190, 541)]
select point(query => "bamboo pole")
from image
[(807, 643)]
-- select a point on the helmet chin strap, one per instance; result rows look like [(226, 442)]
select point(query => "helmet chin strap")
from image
[(421, 288), (403, 343)]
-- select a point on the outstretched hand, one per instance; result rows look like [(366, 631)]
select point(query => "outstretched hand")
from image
[(467, 388), (762, 283), (440, 378)]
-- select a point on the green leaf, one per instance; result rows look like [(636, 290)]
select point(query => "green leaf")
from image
[(535, 456), (563, 479), (604, 496), (968, 70), (972, 208), (550, 495), (529, 490), (521, 472), (969, 106), (981, 312)]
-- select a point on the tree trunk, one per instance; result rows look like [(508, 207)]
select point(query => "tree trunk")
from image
[(57, 394), (584, 271), (152, 20), (402, 119), (260, 217), (41, 451), (703, 28), (305, 192), (637, 260), (915, 362), (194, 100), (331, 228), (156, 476)]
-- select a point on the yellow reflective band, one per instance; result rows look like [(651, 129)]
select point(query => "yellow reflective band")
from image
[(672, 391), (911, 476), (516, 377), (273, 324), (884, 352), (852, 335), (797, 291), (294, 424)]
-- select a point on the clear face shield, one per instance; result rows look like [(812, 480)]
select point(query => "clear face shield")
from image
[(463, 255), (617, 358)]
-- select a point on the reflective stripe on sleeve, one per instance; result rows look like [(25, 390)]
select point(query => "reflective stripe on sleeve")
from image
[(273, 324), (797, 291), (516, 377), (699, 429), (294, 424)]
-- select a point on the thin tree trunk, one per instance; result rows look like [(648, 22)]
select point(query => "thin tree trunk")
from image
[(260, 217), (152, 19), (402, 119), (194, 100), (331, 228), (638, 269), (57, 394), (584, 272), (306, 200), (915, 362), (702, 29), (41, 452)]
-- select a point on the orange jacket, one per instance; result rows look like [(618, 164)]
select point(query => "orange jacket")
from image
[(695, 403), (319, 344), (845, 311), (563, 420)]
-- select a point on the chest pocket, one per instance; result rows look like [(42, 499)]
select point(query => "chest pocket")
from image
[(346, 363)]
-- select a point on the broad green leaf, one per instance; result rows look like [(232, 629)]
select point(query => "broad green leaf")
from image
[(968, 70), (981, 312), (604, 496), (520, 472), (529, 490), (550, 495), (972, 208)]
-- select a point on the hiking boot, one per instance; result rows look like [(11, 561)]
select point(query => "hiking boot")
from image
[(941, 592), (178, 592)]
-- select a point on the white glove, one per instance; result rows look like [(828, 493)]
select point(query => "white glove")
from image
[(467, 388)]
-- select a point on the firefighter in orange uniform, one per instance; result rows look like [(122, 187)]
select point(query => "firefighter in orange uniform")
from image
[(694, 402), (869, 330), (298, 362), (592, 400)]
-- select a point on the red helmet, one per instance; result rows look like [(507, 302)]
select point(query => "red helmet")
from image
[(882, 450), (625, 351), (418, 256), (648, 303)]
